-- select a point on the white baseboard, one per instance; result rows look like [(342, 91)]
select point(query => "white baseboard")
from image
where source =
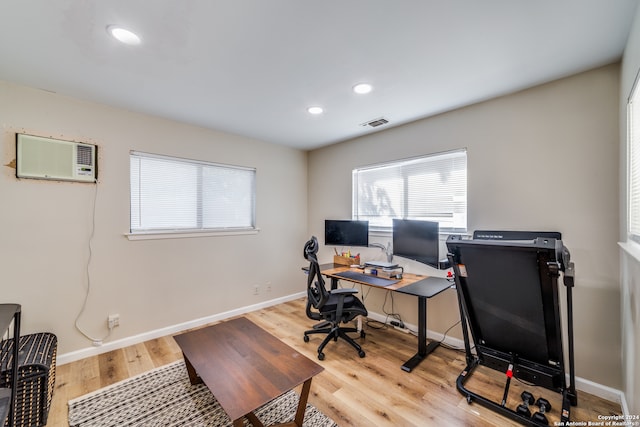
[(174, 329), (582, 384), (602, 391)]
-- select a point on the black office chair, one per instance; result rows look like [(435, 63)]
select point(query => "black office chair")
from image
[(333, 307)]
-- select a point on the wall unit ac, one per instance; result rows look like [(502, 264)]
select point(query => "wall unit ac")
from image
[(48, 158)]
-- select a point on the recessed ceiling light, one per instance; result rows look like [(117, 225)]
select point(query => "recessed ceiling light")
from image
[(123, 35), (315, 110), (362, 88)]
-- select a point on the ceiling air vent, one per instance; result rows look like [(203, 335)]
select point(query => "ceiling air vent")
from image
[(376, 122)]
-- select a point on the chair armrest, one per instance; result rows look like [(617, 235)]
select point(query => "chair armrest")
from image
[(345, 291)]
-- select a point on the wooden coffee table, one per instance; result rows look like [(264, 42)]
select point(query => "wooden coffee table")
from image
[(245, 367)]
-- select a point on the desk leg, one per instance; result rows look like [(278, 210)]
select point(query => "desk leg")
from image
[(423, 348)]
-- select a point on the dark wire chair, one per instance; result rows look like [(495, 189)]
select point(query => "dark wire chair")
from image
[(333, 307)]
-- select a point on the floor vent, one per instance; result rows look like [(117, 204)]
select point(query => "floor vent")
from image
[(376, 122)]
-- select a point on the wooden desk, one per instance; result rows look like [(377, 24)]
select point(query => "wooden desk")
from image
[(245, 367), (424, 287)]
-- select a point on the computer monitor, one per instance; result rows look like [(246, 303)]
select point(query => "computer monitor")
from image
[(417, 240), (346, 232)]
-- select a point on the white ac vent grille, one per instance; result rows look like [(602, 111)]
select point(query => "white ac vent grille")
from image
[(375, 123), (84, 155)]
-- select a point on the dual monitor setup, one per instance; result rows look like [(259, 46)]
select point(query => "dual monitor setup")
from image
[(412, 239)]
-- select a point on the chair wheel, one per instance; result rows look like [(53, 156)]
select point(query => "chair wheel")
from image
[(361, 353), (320, 356), (306, 338)]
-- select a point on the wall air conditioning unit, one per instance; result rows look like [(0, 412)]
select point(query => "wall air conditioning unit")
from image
[(48, 158)]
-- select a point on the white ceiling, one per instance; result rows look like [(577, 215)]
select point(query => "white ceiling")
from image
[(252, 67)]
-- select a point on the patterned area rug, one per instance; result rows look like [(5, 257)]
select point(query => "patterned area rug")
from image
[(165, 397)]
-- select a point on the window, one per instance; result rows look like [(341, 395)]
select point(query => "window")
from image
[(431, 188), (633, 185), (176, 195)]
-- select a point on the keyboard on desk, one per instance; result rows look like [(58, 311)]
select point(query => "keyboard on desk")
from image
[(366, 278)]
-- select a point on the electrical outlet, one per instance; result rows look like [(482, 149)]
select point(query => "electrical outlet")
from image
[(256, 289), (268, 286), (113, 320)]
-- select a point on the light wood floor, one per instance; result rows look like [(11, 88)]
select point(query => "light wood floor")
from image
[(372, 391)]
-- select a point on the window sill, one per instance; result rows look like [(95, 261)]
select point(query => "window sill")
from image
[(187, 235), (631, 248)]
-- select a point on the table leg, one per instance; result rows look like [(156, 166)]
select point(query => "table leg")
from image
[(193, 375), (423, 348), (302, 405), (299, 417), (255, 421)]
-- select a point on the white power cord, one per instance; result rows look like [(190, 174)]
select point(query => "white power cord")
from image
[(95, 341)]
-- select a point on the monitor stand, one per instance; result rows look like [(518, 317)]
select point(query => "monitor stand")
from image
[(381, 264)]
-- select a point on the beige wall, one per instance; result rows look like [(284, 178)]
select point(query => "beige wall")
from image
[(630, 258), (541, 159), (45, 226)]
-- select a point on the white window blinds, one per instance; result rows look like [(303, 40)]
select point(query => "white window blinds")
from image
[(172, 194), (431, 188), (633, 124)]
